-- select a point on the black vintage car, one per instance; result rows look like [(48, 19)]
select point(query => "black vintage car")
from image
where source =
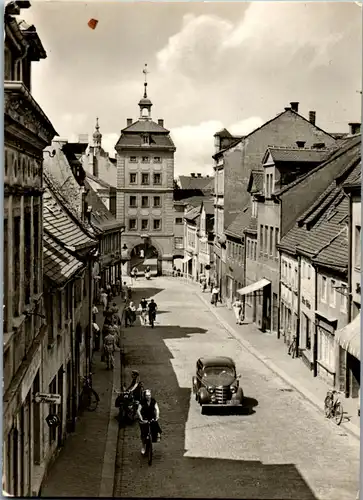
[(216, 382)]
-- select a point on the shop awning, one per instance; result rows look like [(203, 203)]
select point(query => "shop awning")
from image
[(349, 337), (186, 259), (254, 287)]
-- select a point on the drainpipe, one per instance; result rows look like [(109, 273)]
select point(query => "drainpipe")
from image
[(298, 305), (90, 304), (244, 275), (279, 308), (350, 252), (74, 386), (315, 351)]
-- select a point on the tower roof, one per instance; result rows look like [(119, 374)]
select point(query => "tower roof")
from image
[(97, 136)]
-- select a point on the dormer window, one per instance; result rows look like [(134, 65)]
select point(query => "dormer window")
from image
[(145, 140), (254, 209), (269, 188)]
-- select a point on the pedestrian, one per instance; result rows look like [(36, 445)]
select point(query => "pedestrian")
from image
[(94, 313), (109, 349), (215, 293), (114, 289), (174, 271), (143, 315), (132, 313), (129, 293), (118, 286), (104, 299), (237, 309), (96, 336), (124, 291)]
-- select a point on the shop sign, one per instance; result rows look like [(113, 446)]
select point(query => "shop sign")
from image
[(52, 420), (53, 399)]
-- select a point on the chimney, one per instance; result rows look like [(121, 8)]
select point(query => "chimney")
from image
[(294, 106), (312, 117), (161, 122), (59, 141), (199, 175), (83, 138), (192, 174), (300, 144), (128, 122), (319, 145), (286, 109), (354, 128)]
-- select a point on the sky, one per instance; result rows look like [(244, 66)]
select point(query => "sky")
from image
[(212, 65)]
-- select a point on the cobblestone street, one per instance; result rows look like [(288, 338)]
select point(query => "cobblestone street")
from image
[(280, 447)]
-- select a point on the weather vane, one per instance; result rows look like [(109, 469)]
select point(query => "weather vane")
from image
[(145, 71)]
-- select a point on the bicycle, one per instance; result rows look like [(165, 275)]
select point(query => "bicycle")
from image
[(89, 397), (333, 408), (149, 444)]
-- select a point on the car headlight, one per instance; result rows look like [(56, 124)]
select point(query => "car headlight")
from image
[(210, 389), (233, 389)]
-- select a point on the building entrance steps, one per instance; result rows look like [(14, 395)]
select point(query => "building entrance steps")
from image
[(273, 353), (85, 465)]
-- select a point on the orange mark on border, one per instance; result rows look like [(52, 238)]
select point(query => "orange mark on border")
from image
[(92, 23)]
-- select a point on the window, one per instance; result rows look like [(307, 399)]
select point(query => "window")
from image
[(179, 220), (261, 239), (132, 178), (344, 298), (16, 266), (157, 224), (133, 159), (145, 159), (289, 275), (267, 185), (144, 201), (157, 159), (178, 242), (132, 224), (265, 249), (145, 179), (323, 289), (302, 269), (357, 251), (144, 224), (255, 250), (156, 201), (271, 185), (308, 266), (333, 294), (27, 261), (254, 208), (145, 139), (133, 201), (296, 278), (307, 333), (271, 241), (276, 242), (157, 178), (326, 348)]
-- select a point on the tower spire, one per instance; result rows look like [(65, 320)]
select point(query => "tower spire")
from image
[(97, 138), (145, 71), (145, 103)]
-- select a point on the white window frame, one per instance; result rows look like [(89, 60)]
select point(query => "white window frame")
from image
[(323, 289), (344, 297), (333, 293)]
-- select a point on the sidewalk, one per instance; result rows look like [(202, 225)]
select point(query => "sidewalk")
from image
[(273, 353), (86, 464)]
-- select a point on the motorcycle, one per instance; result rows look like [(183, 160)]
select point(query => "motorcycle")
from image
[(127, 406)]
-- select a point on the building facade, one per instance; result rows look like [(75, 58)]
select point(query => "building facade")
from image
[(145, 185), (27, 132)]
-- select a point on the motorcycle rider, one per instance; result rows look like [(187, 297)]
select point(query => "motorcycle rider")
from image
[(152, 311), (148, 410)]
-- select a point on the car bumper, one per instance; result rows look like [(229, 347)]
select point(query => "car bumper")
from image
[(229, 404)]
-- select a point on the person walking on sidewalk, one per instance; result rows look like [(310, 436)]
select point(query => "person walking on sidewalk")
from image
[(152, 312), (109, 349), (215, 293), (94, 313), (237, 309), (143, 312), (104, 299), (96, 336)]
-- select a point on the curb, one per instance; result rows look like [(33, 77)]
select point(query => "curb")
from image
[(290, 381)]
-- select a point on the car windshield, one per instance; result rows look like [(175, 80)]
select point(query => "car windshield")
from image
[(215, 371)]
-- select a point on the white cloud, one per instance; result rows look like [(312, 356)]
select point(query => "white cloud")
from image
[(195, 143)]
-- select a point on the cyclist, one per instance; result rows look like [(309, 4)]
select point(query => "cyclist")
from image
[(136, 385), (143, 306), (148, 411), (152, 312)]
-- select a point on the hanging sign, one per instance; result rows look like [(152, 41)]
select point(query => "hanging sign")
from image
[(52, 420), (53, 399)]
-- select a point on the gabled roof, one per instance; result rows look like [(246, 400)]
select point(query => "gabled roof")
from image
[(145, 126), (193, 201), (192, 214), (99, 181), (59, 264), (60, 224), (300, 155), (101, 217), (208, 205), (202, 183), (223, 134), (240, 222), (346, 155)]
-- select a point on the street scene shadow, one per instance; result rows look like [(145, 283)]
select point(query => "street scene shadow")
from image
[(246, 409), (174, 471)]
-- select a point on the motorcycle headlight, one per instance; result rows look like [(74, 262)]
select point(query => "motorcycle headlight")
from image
[(210, 389), (233, 389)]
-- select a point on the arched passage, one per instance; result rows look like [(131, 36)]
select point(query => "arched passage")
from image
[(145, 255)]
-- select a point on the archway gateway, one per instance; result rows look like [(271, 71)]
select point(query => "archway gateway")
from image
[(143, 256)]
